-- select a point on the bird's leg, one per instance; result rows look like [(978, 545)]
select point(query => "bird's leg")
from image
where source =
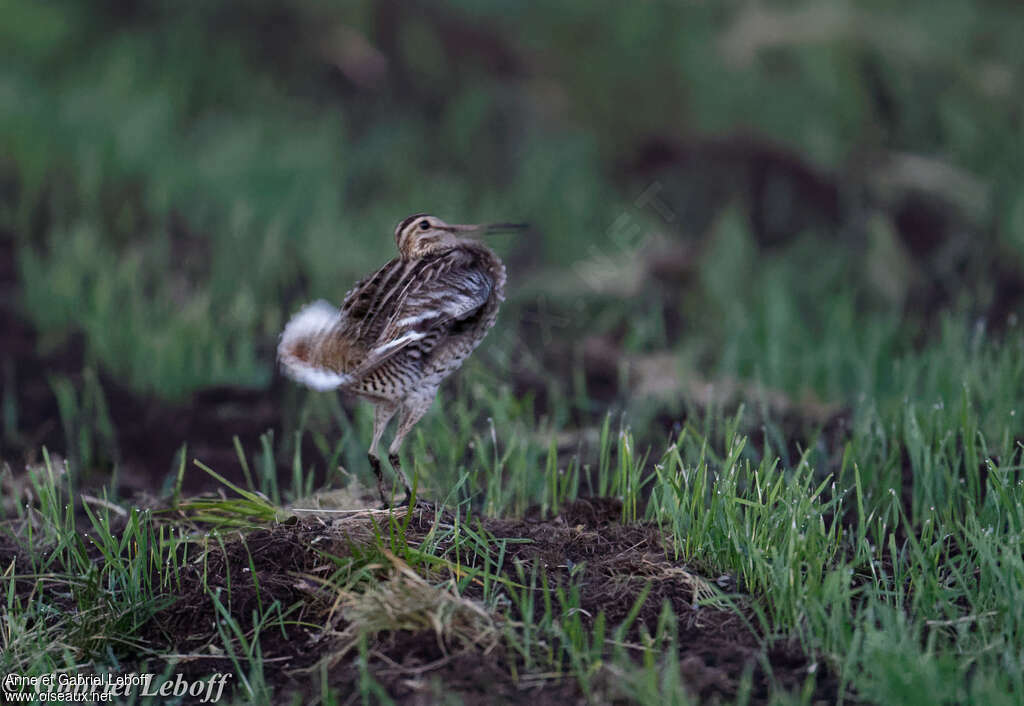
[(381, 416), (412, 412), (396, 463)]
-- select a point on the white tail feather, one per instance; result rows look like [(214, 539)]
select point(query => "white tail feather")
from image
[(311, 322)]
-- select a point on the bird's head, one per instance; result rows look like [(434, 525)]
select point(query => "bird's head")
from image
[(422, 234)]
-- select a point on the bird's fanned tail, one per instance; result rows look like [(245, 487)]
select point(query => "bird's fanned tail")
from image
[(307, 351)]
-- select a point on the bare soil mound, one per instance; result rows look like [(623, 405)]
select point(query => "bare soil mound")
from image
[(611, 563)]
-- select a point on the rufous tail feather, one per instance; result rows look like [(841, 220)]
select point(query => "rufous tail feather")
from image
[(309, 353)]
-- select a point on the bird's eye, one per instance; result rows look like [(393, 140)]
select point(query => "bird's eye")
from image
[(424, 225)]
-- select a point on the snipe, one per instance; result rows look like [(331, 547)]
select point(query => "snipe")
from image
[(403, 329)]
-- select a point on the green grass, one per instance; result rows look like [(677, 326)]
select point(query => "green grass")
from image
[(910, 589)]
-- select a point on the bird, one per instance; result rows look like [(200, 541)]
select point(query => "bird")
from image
[(402, 330)]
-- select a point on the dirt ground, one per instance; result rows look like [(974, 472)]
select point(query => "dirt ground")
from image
[(613, 564)]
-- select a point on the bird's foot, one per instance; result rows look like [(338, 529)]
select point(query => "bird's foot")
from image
[(396, 463), (385, 498), (406, 502), (420, 505)]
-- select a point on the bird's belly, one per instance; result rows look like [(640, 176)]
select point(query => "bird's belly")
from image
[(407, 375), (391, 381)]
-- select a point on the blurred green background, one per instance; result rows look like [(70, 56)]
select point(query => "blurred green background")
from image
[(780, 201), (799, 222)]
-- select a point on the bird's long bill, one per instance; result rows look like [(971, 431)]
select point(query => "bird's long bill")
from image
[(488, 228)]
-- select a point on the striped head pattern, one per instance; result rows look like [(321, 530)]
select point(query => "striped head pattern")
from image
[(421, 234)]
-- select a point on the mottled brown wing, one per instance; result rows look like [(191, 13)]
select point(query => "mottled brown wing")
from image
[(363, 302), (435, 294)]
